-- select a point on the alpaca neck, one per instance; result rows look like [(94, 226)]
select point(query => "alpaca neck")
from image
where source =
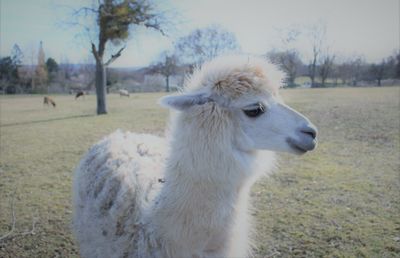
[(205, 177), (205, 154)]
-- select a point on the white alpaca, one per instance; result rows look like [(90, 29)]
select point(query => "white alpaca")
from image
[(132, 199), (123, 93)]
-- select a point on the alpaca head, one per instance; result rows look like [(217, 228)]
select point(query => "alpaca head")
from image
[(245, 90)]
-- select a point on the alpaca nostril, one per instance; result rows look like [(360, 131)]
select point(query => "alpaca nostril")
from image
[(310, 130)]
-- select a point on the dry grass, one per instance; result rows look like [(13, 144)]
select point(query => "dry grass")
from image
[(340, 201)]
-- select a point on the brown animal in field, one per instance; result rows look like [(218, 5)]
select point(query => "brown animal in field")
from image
[(47, 100), (79, 93)]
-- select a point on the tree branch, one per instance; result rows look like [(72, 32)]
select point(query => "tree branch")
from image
[(115, 56), (95, 53), (86, 10), (155, 26), (10, 234)]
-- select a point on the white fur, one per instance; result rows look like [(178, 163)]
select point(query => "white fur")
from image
[(127, 204), (123, 93)]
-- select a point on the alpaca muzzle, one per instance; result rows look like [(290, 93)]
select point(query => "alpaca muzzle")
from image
[(306, 139)]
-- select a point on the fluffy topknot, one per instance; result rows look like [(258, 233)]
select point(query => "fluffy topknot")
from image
[(233, 76)]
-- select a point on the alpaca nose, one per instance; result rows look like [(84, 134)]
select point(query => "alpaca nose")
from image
[(309, 129)]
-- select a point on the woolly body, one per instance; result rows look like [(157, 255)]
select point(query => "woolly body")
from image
[(123, 93)]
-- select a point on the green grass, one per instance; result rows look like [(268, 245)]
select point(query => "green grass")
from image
[(340, 201)]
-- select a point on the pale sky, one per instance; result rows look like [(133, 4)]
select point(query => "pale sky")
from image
[(354, 27)]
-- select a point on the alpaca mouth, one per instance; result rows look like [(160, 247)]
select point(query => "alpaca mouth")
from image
[(297, 149), (301, 147)]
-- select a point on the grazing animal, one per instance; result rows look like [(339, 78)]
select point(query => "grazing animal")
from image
[(79, 93), (47, 101), (123, 93), (136, 197)]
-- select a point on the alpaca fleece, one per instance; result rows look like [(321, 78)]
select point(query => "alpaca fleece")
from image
[(138, 195)]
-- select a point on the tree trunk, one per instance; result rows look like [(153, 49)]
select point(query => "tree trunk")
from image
[(313, 71), (167, 83), (101, 87), (291, 80), (32, 84), (312, 77)]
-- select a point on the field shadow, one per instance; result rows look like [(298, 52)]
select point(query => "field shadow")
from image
[(46, 120)]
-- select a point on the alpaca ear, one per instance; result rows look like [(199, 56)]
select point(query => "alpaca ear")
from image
[(184, 101)]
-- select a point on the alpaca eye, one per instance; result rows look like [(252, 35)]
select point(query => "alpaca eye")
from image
[(255, 112)]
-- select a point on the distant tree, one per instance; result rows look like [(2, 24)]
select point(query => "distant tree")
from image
[(205, 44), (9, 66), (52, 68), (378, 72), (317, 35), (356, 66), (168, 66), (114, 18), (326, 67), (343, 72), (334, 74), (286, 56), (41, 70), (397, 65), (8, 74), (17, 55), (8, 69), (393, 65), (51, 65), (288, 61)]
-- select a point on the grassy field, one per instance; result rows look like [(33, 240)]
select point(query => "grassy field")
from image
[(340, 201)]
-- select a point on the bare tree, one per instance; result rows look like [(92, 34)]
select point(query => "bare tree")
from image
[(356, 68), (393, 65), (289, 61), (113, 20), (286, 56), (168, 66), (343, 72), (326, 67), (397, 65), (335, 75), (378, 71), (317, 34), (206, 43)]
